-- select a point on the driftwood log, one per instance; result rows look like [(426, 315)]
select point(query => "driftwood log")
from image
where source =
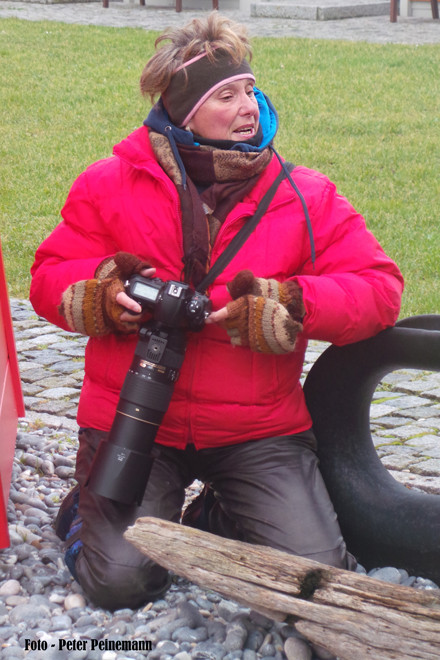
[(353, 616)]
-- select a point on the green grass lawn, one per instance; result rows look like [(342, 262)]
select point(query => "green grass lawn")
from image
[(367, 115)]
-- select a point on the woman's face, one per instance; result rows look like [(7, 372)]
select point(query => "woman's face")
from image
[(230, 113)]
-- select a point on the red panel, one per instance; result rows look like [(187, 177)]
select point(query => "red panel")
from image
[(4, 536), (7, 338), (11, 402), (8, 432)]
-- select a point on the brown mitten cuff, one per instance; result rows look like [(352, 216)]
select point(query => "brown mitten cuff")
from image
[(262, 324), (122, 265), (288, 293), (90, 308)]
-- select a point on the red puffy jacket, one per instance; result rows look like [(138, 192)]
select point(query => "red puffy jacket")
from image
[(225, 394)]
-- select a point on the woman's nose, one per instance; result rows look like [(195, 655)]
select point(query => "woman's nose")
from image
[(248, 105)]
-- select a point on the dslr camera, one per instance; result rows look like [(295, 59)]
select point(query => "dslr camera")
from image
[(123, 462), (175, 304)]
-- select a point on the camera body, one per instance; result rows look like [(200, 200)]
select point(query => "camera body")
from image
[(174, 304), (122, 463)]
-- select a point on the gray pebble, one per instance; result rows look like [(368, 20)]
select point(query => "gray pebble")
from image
[(6, 632), (117, 628), (94, 632), (254, 640), (236, 635), (24, 551), (267, 649), (322, 653), (208, 651), (260, 620), (94, 655), (28, 613), (227, 609), (249, 654), (67, 461), (47, 654), (425, 583), (34, 586), (10, 588), (49, 555), (12, 653), (61, 622), (47, 467), (16, 572), (216, 630), (160, 605), (166, 632), (190, 614), (213, 597), (191, 635), (297, 649), (361, 569), (404, 575), (64, 472), (12, 601), (170, 648), (204, 603), (73, 601), (78, 655), (386, 574), (162, 621)]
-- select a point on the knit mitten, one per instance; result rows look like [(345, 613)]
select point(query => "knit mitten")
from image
[(265, 314), (288, 293), (262, 324), (90, 306)]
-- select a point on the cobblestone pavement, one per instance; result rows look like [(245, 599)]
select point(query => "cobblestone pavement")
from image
[(377, 29), (405, 411)]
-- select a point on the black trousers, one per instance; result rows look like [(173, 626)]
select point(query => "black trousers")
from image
[(270, 492)]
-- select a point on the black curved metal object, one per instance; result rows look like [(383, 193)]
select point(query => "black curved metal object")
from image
[(383, 522)]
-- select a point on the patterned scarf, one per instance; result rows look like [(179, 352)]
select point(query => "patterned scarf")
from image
[(216, 180)]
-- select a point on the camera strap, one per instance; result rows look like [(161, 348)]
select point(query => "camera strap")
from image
[(241, 237)]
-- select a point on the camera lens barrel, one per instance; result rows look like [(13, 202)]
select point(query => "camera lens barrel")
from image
[(121, 474), (123, 462)]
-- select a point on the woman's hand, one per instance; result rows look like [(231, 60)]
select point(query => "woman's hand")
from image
[(264, 314), (218, 317), (100, 306), (135, 312)]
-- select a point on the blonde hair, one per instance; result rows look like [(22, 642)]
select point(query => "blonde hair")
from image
[(215, 32)]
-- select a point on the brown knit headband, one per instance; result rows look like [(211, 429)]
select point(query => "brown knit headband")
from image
[(196, 80)]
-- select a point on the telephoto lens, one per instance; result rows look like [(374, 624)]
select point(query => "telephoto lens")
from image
[(123, 462)]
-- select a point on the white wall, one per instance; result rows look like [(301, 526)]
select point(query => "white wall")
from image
[(416, 9), (192, 4)]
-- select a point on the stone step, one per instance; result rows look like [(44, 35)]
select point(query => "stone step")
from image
[(320, 10)]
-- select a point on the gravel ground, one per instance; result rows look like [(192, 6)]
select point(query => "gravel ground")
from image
[(43, 613)]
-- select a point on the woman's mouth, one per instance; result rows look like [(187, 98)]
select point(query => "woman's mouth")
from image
[(245, 131)]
